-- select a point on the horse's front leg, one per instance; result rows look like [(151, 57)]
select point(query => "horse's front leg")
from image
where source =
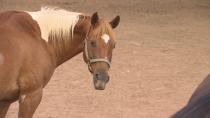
[(28, 103)]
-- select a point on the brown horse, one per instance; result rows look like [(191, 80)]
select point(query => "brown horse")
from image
[(199, 103), (33, 44)]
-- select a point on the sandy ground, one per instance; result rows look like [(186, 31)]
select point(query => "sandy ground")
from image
[(162, 54)]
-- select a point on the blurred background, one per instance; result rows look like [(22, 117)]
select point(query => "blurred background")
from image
[(162, 54)]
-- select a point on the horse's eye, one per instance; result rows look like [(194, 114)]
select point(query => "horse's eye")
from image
[(93, 44)]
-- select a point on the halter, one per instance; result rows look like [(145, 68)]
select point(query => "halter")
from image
[(90, 61)]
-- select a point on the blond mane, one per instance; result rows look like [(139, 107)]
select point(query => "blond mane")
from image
[(56, 22)]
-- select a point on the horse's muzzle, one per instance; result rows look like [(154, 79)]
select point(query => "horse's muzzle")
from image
[(100, 79)]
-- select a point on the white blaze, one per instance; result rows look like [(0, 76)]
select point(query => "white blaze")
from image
[(105, 37)]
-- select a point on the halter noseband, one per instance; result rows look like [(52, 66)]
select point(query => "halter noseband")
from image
[(90, 61)]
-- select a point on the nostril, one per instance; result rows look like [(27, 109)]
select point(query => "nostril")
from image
[(97, 75)]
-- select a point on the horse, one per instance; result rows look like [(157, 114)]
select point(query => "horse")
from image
[(199, 103), (34, 44)]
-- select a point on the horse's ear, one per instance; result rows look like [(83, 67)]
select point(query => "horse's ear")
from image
[(94, 18), (115, 22)]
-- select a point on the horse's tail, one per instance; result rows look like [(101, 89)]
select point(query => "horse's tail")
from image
[(197, 109)]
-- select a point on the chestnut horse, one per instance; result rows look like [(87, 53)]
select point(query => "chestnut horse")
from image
[(199, 103), (33, 44)]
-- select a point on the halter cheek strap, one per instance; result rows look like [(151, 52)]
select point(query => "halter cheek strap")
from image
[(90, 61)]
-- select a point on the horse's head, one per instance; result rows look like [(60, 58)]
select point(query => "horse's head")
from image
[(99, 44)]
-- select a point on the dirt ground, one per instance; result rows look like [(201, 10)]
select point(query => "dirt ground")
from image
[(162, 54)]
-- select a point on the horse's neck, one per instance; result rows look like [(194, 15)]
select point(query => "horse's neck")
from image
[(62, 53), (66, 49), (63, 43)]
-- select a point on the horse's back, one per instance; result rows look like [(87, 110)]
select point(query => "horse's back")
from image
[(202, 90), (19, 22), (199, 103), (195, 109)]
